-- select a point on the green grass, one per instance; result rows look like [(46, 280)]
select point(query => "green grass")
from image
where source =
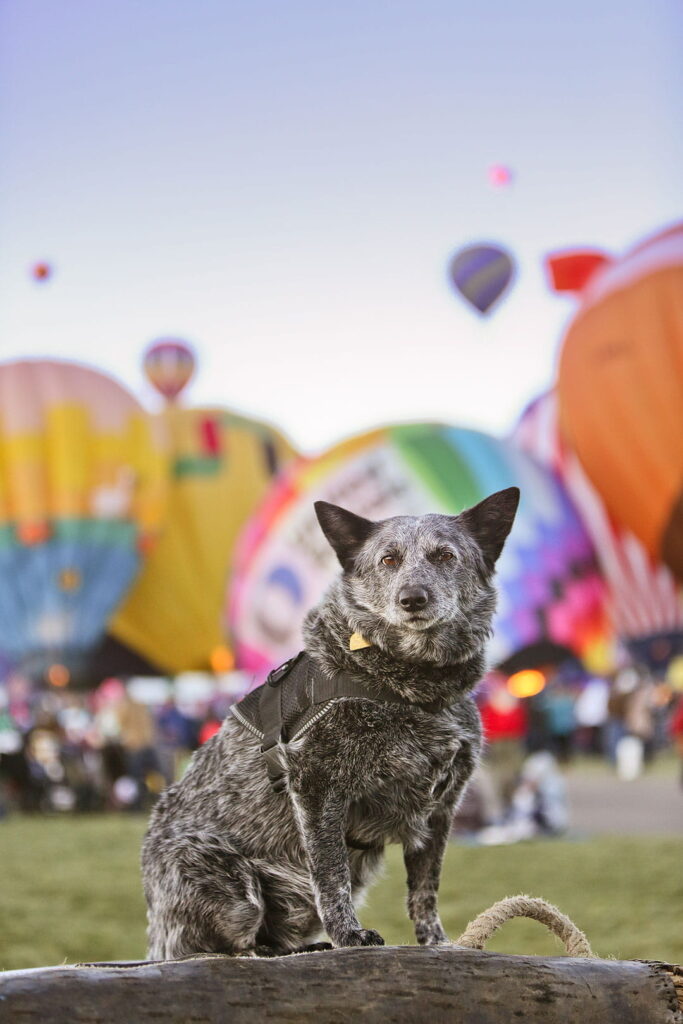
[(71, 891), (625, 894)]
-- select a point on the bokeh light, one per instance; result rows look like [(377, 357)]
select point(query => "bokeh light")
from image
[(526, 683), (58, 675), (222, 659)]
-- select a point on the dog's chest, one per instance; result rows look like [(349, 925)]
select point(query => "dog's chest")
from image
[(398, 795)]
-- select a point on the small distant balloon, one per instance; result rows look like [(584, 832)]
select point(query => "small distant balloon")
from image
[(481, 274), (41, 271), (169, 365), (500, 176)]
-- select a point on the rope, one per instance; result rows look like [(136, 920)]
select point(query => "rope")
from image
[(479, 931)]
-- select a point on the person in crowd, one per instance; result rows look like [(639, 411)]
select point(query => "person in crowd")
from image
[(210, 726), (137, 735), (676, 729), (557, 701), (504, 720), (590, 712), (175, 735)]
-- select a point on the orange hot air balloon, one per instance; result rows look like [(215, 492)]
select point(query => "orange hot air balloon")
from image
[(621, 391), (169, 365)]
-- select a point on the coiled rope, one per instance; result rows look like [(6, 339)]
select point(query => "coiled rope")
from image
[(479, 931)]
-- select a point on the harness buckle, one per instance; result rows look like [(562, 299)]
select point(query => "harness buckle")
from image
[(275, 677)]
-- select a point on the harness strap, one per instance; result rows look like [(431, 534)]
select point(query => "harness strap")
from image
[(324, 689), (343, 685), (270, 706)]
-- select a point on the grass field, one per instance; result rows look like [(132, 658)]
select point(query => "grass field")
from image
[(71, 891)]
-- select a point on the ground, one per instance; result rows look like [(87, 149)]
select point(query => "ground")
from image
[(71, 888)]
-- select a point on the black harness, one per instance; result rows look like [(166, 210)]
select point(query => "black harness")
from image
[(293, 698)]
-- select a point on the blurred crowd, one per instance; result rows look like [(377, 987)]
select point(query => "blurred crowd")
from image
[(116, 747), (107, 749), (626, 720)]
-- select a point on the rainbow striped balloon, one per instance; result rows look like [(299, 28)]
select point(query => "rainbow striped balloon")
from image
[(550, 588)]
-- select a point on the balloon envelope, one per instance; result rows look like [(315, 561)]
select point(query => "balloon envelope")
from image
[(222, 467), (169, 365), (547, 579), (81, 495), (644, 598), (481, 273), (620, 389)]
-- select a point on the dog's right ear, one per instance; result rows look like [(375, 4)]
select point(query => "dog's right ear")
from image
[(345, 531)]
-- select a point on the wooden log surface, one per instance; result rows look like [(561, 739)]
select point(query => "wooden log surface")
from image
[(391, 984)]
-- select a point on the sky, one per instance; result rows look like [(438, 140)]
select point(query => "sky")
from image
[(283, 184)]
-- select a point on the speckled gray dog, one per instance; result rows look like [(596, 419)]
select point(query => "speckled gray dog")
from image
[(231, 866)]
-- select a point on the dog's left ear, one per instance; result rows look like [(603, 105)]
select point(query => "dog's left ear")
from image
[(345, 531), (491, 520)]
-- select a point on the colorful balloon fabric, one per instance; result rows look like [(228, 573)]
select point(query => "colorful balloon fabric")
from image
[(81, 497), (620, 390), (222, 467), (169, 365), (481, 274), (549, 585), (644, 598)]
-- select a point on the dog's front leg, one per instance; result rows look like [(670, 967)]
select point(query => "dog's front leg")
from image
[(424, 860), (423, 867), (321, 816)]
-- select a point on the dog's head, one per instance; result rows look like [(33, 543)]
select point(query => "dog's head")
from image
[(413, 576)]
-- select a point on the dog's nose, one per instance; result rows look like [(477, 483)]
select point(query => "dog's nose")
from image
[(413, 598)]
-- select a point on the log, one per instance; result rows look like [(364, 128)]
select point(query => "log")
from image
[(396, 984)]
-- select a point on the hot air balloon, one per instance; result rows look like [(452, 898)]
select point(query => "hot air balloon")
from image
[(500, 176), (644, 599), (169, 365), (222, 466), (41, 271), (481, 273), (81, 497), (620, 388), (550, 589)]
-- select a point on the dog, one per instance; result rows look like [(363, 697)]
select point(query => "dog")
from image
[(233, 864)]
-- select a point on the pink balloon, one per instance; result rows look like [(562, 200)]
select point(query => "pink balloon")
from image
[(500, 176)]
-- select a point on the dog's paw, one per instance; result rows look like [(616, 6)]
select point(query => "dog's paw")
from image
[(314, 947), (362, 937), (430, 934), (431, 937)]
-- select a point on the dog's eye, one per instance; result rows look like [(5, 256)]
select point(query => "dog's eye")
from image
[(389, 560), (445, 556)]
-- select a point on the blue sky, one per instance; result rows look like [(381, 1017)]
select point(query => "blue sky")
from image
[(283, 183)]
